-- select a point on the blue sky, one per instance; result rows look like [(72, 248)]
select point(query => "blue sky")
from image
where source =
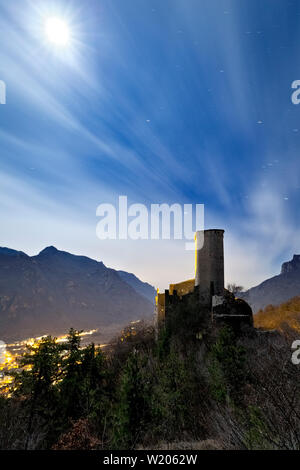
[(162, 101)]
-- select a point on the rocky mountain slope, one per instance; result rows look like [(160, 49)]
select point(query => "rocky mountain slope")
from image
[(142, 288), (277, 289), (55, 290)]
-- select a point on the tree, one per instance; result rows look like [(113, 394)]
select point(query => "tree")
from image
[(37, 384), (227, 367), (71, 384), (174, 395), (234, 288), (133, 400)]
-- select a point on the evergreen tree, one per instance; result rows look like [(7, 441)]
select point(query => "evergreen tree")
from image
[(133, 402), (37, 384), (71, 386)]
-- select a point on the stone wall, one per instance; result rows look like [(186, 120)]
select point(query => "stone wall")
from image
[(209, 264)]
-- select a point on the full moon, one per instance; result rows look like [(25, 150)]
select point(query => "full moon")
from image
[(57, 31)]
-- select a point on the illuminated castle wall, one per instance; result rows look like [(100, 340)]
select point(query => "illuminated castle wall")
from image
[(209, 273), (207, 288)]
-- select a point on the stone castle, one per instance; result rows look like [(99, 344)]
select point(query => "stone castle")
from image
[(207, 289)]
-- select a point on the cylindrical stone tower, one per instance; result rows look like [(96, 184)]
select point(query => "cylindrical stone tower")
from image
[(209, 264)]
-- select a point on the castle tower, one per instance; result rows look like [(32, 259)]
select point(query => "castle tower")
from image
[(209, 276)]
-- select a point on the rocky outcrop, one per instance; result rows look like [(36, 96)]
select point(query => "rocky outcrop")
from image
[(291, 266)]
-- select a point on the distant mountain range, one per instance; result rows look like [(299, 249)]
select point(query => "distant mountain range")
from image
[(277, 289), (55, 290)]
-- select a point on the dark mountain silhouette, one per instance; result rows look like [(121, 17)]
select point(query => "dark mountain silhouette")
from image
[(55, 290), (142, 288), (277, 289)]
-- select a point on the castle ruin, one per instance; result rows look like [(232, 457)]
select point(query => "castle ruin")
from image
[(207, 288)]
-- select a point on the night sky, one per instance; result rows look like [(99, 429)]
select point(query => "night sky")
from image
[(185, 101)]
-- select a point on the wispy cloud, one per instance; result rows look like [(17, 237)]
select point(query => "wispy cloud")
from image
[(169, 102)]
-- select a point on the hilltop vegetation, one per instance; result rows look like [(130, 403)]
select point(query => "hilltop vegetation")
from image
[(280, 317), (195, 384)]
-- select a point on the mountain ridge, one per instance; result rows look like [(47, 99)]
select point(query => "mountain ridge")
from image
[(55, 290), (277, 289)]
